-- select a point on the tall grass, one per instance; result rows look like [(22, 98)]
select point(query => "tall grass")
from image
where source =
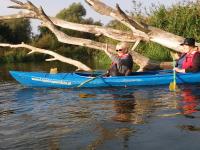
[(182, 19)]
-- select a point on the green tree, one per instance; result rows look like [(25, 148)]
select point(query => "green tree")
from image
[(18, 30), (74, 13), (14, 31), (5, 33)]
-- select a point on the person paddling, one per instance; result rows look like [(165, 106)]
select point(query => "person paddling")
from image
[(190, 59), (122, 62)]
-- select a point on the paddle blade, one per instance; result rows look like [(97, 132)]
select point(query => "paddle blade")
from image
[(172, 86)]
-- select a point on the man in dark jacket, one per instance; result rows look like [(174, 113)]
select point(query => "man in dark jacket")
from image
[(122, 62)]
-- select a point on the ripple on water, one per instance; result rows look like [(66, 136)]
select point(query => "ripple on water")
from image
[(32, 118)]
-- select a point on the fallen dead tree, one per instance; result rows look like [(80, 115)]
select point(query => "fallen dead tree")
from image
[(139, 32)]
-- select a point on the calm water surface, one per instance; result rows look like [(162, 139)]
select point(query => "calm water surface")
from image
[(141, 118)]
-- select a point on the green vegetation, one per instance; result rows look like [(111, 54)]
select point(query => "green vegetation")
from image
[(181, 19), (14, 31)]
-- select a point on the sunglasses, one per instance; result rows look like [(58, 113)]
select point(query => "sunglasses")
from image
[(119, 50)]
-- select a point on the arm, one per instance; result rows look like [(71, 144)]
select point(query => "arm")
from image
[(179, 70), (112, 56)]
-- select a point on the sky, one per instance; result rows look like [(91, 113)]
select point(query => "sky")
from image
[(52, 7)]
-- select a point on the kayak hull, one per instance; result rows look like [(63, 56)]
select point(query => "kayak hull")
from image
[(73, 80)]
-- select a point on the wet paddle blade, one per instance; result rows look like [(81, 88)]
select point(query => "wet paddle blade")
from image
[(172, 86)]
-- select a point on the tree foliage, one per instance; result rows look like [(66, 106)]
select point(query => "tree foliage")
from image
[(182, 19), (74, 13), (5, 33), (15, 31)]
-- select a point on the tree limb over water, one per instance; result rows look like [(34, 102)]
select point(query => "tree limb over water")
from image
[(139, 32), (79, 65)]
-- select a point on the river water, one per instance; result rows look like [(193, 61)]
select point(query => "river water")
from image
[(141, 118)]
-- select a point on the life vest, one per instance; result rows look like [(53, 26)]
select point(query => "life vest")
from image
[(179, 62), (122, 57), (188, 62), (121, 69)]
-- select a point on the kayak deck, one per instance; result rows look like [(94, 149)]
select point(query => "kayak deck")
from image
[(73, 80)]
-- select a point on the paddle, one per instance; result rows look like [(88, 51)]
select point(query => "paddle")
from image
[(101, 75), (172, 85), (89, 80)]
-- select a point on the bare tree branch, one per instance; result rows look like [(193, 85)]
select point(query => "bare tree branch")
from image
[(97, 30), (56, 56), (94, 29), (153, 34), (108, 11), (136, 44), (135, 26), (62, 37), (139, 31)]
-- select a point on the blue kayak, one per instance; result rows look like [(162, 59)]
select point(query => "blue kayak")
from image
[(73, 80)]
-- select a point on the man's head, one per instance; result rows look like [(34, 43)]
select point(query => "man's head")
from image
[(189, 42), (122, 48)]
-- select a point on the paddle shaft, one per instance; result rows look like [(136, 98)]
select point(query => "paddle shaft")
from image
[(89, 80), (174, 73)]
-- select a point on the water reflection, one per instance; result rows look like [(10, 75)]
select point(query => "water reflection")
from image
[(128, 109), (124, 110), (103, 118), (189, 104), (113, 106), (86, 95), (106, 135), (5, 113), (189, 128), (126, 106)]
